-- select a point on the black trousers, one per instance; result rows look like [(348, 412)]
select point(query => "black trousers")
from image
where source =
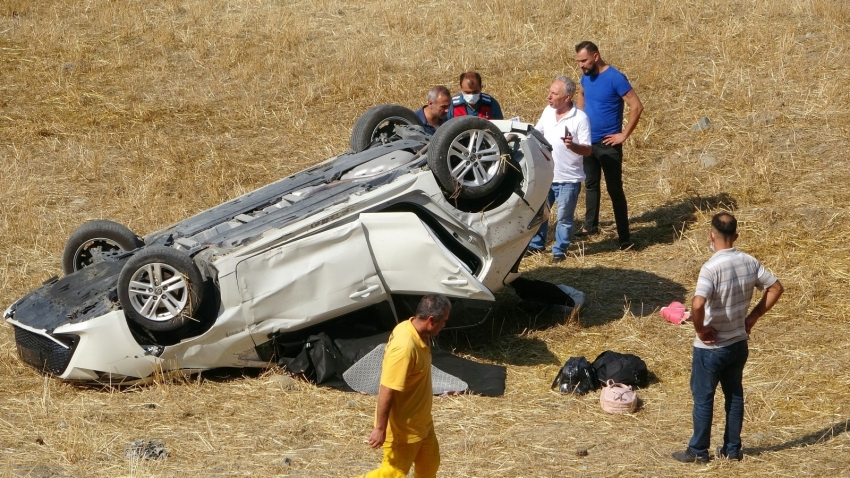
[(607, 160)]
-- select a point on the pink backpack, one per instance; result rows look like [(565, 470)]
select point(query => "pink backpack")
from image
[(618, 398)]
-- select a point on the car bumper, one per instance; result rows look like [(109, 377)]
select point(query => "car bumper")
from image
[(101, 349)]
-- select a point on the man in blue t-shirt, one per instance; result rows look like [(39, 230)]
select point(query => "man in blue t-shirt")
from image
[(604, 90)]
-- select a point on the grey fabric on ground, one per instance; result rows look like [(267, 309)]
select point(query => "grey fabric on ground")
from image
[(365, 375)]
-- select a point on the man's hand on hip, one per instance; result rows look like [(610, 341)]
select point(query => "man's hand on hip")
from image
[(614, 139), (708, 335)]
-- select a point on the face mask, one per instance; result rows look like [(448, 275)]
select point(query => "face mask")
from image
[(471, 99)]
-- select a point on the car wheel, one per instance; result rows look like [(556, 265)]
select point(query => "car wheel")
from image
[(160, 288), (466, 156), (93, 241), (378, 123)]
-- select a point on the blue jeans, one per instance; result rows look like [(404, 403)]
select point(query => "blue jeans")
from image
[(566, 195), (724, 365)]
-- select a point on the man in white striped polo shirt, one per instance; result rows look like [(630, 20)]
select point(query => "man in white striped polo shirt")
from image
[(719, 311)]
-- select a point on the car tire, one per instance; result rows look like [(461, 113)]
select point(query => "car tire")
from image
[(464, 172), (92, 240), (160, 288), (378, 123)]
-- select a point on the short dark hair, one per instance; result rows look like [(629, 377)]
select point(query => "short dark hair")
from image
[(725, 224), (432, 305), (469, 75), (587, 45)]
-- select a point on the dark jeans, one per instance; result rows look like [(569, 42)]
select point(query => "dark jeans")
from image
[(726, 366), (608, 160)]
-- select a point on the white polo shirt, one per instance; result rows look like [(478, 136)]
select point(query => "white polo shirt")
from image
[(569, 166)]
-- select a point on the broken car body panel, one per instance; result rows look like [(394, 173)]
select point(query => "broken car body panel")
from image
[(356, 232)]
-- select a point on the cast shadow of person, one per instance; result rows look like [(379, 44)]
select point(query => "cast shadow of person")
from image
[(663, 224), (610, 294), (503, 337), (670, 220), (818, 436)]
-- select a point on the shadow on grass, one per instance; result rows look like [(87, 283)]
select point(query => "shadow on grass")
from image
[(813, 438), (505, 338), (666, 222), (229, 374), (611, 293)]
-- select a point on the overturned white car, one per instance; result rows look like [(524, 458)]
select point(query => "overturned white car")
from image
[(366, 232)]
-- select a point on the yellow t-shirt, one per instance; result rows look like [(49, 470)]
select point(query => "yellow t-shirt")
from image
[(407, 370)]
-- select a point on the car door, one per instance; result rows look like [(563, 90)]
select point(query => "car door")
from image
[(309, 280), (411, 260)]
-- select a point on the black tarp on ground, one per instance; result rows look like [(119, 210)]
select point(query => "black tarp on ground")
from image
[(323, 360), (542, 292)]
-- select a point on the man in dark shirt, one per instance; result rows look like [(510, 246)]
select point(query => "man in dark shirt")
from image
[(434, 113)]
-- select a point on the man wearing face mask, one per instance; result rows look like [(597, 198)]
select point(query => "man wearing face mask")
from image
[(472, 102), (719, 311), (433, 115)]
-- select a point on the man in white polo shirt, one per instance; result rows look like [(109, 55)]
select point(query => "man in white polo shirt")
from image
[(568, 131)]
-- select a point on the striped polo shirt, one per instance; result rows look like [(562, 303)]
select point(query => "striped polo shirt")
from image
[(727, 281)]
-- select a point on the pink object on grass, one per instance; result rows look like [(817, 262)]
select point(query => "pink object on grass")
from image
[(675, 313)]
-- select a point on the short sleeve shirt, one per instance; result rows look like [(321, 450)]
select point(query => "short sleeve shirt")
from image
[(420, 113), (603, 101), (495, 108), (727, 281), (569, 166), (407, 370)]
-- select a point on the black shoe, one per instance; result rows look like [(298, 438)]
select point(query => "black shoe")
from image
[(626, 245), (530, 251), (688, 456), (558, 258), (722, 454), (584, 233)]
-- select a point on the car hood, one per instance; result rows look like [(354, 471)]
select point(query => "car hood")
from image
[(77, 297)]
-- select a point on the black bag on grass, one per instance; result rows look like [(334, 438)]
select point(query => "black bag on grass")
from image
[(319, 360), (621, 368), (576, 376)]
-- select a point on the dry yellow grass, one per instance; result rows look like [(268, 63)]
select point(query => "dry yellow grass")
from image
[(147, 112)]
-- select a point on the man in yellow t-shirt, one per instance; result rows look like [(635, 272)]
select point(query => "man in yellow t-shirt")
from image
[(403, 424)]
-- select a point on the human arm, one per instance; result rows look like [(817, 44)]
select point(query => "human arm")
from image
[(580, 149), (635, 110), (540, 125), (578, 99), (768, 300), (496, 110), (579, 140), (382, 417), (451, 112), (707, 334)]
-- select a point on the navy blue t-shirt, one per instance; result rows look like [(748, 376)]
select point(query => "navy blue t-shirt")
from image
[(603, 102), (420, 113)]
